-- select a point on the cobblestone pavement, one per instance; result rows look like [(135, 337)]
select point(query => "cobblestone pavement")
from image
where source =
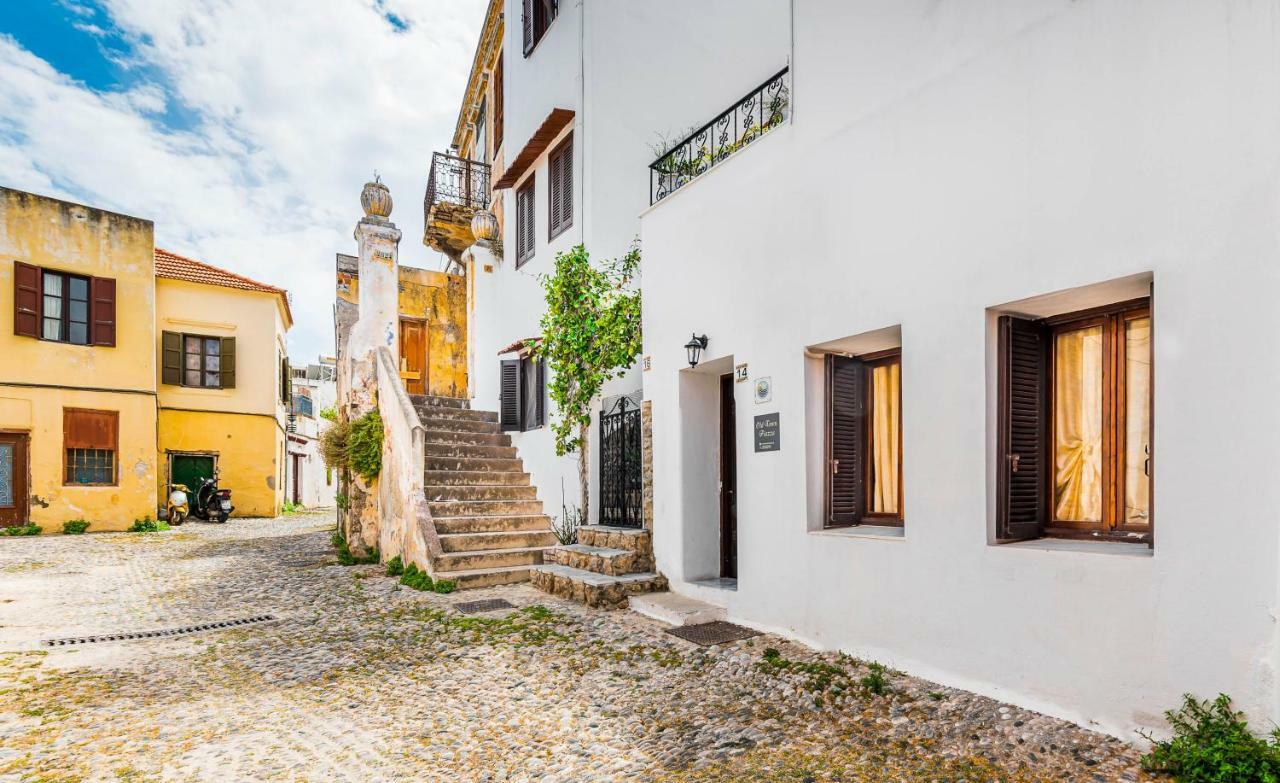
[(360, 679)]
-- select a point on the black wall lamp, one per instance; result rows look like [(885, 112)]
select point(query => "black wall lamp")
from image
[(695, 346)]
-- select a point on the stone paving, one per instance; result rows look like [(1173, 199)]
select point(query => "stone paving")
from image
[(360, 679)]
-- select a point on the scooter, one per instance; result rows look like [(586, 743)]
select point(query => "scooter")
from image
[(207, 502)]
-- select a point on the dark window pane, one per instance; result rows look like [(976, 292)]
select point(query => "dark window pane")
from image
[(211, 379), (212, 363), (211, 346), (79, 333), (193, 345), (193, 361), (192, 378), (79, 288), (79, 311)]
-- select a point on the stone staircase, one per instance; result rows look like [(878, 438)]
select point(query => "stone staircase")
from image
[(607, 566), (487, 514)]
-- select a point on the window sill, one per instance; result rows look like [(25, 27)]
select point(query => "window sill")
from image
[(865, 530), (1121, 548)]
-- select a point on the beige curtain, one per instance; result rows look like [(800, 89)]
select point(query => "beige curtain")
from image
[(1137, 440), (1077, 426), (885, 420)]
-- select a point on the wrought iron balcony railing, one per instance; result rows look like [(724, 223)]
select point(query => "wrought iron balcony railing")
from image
[(457, 181), (759, 112)]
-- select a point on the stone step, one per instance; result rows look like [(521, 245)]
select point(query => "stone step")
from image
[(468, 438), (475, 477), (475, 464), (435, 424), (636, 540), (675, 609), (487, 577), (494, 541), (440, 413), (592, 589), (488, 558), (494, 524), (461, 492), (470, 451), (484, 508), (427, 401), (600, 560)]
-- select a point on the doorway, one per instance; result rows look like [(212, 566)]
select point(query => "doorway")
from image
[(413, 355), (297, 479), (190, 470), (728, 480), (14, 508)]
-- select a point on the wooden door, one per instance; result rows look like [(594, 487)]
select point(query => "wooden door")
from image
[(297, 479), (13, 479), (728, 480), (413, 355)]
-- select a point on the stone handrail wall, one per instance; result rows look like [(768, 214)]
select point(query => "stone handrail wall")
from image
[(406, 528)]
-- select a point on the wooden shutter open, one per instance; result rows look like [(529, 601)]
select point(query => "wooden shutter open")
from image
[(541, 392), (497, 105), (524, 223), (26, 300), (102, 311), (1023, 439), (227, 363), (526, 19), (171, 358), (509, 401), (846, 440)]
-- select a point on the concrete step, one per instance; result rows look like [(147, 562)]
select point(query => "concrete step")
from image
[(468, 438), (470, 451), (475, 477), (441, 413), (435, 424), (427, 401), (488, 558), (674, 609), (592, 589), (600, 560), (484, 508), (636, 540), (488, 577), (494, 524), (478, 492), (494, 541), (474, 464)]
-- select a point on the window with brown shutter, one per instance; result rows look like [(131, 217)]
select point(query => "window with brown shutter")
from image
[(197, 360), (522, 401), (103, 327), (509, 403), (1075, 424), (864, 439), (560, 188), (26, 300), (497, 105), (524, 223), (90, 441), (63, 307), (537, 16)]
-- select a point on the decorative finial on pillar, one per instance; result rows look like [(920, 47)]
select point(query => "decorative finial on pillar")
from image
[(376, 198)]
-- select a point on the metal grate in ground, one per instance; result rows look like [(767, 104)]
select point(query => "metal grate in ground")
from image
[(707, 634), (181, 631), (487, 605)]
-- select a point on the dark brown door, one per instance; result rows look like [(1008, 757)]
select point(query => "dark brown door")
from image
[(297, 479), (413, 355), (13, 479), (728, 481)]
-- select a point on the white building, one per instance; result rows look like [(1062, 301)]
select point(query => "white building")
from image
[(310, 482), (1073, 511)]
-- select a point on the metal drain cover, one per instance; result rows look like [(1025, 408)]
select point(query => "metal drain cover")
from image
[(181, 631), (707, 634), (487, 605)]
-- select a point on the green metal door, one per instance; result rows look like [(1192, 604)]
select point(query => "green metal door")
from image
[(189, 469)]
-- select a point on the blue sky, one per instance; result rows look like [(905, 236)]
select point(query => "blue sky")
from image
[(243, 128)]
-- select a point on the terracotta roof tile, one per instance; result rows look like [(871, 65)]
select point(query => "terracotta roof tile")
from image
[(175, 267)]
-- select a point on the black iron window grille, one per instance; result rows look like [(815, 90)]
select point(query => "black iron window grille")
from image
[(621, 477), (457, 180), (757, 113)]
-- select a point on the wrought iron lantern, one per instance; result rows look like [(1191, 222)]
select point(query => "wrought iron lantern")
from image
[(695, 347)]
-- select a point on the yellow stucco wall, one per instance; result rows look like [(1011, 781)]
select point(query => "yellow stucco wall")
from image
[(248, 449), (39, 378)]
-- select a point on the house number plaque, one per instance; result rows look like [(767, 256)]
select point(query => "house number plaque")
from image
[(768, 434)]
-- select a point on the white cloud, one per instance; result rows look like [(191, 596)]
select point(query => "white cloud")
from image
[(297, 101)]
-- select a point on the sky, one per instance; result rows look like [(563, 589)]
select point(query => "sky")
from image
[(244, 129)]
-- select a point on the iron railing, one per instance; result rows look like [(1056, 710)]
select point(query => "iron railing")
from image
[(457, 181), (757, 113), (621, 476)]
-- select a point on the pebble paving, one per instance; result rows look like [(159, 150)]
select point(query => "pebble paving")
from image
[(361, 679)]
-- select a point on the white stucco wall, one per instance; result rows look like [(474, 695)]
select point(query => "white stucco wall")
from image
[(948, 158)]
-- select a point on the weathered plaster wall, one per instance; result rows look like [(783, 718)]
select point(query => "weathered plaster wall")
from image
[(248, 449)]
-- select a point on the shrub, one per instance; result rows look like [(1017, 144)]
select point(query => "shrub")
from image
[(346, 558), (21, 530), (329, 414), (566, 526), (144, 525), (289, 507), (340, 500), (395, 566), (445, 586), (1212, 744), (333, 444), (875, 681), (418, 580), (364, 445), (74, 527)]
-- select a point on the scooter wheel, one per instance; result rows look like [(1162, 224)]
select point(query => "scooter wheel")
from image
[(176, 519), (222, 518)]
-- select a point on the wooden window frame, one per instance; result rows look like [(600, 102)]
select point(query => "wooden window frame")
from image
[(526, 212), (115, 449), (863, 515), (204, 364), (64, 321)]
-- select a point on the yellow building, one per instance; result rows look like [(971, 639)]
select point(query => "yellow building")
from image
[(223, 382), (89, 428)]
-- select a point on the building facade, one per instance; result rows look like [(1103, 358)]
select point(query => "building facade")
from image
[(310, 482)]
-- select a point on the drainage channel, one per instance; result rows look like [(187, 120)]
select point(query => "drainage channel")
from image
[(163, 633)]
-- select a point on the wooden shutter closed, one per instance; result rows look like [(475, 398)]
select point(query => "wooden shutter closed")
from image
[(1023, 437), (541, 391), (103, 311), (497, 105), (171, 358), (560, 188), (524, 223), (227, 363), (526, 19), (90, 429), (509, 401), (26, 300), (553, 195), (846, 440)]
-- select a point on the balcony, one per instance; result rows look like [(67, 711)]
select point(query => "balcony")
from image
[(758, 112), (456, 188)]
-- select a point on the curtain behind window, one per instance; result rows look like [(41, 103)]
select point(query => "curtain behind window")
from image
[(1077, 425), (885, 420)]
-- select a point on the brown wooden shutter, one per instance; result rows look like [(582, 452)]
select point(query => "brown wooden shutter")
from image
[(526, 19), (227, 363), (90, 429), (553, 195), (846, 440), (566, 184), (541, 391), (103, 311), (497, 105), (509, 402), (1023, 437), (171, 358), (524, 223), (26, 300)]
